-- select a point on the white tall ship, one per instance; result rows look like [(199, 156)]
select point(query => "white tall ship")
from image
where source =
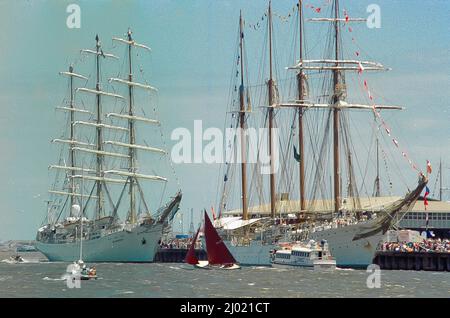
[(352, 228), (100, 185)]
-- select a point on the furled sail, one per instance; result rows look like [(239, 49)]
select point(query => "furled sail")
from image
[(86, 123), (136, 118), (135, 175), (135, 146), (122, 81), (98, 92)]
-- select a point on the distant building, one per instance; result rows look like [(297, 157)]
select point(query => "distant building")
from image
[(438, 218)]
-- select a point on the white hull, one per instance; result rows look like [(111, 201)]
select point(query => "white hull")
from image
[(325, 265), (349, 252), (346, 251), (282, 266), (256, 253), (138, 245), (205, 265)]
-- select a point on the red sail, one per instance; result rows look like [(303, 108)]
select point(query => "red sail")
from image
[(218, 253), (191, 258)]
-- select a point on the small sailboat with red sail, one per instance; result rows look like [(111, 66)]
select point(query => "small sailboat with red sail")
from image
[(191, 258), (219, 257), (218, 254)]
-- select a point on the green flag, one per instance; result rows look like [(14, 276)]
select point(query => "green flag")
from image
[(296, 154)]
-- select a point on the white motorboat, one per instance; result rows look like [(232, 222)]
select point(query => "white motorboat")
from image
[(311, 255)]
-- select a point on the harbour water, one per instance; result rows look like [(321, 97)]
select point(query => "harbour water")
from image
[(172, 280)]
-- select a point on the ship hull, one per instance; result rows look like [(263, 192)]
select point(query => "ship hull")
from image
[(255, 254), (348, 251), (287, 266), (137, 245)]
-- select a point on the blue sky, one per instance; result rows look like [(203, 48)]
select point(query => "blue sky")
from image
[(193, 46)]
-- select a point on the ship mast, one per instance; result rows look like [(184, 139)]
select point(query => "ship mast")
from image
[(242, 122), (72, 152), (301, 94), (81, 216), (71, 140), (132, 173), (99, 165), (270, 85), (132, 139), (336, 112), (337, 102)]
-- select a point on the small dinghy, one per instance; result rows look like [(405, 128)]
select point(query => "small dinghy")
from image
[(79, 269)]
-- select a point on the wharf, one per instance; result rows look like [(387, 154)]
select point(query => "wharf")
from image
[(176, 255), (418, 261)]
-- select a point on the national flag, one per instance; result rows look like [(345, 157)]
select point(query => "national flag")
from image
[(425, 201), (429, 169), (296, 154)]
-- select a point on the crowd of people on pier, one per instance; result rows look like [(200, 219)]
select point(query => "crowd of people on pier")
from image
[(179, 243), (428, 245)]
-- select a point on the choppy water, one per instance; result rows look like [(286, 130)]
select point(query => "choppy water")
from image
[(172, 280)]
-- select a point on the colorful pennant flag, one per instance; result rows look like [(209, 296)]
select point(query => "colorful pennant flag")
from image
[(429, 169)]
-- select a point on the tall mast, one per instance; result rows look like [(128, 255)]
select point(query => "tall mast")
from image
[(242, 122), (99, 166), (270, 84), (132, 163), (81, 216), (336, 99), (72, 138), (301, 94), (131, 174)]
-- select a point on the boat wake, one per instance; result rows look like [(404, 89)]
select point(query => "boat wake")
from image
[(23, 261), (64, 277)]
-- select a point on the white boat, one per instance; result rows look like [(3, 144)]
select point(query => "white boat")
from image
[(309, 255), (106, 130)]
